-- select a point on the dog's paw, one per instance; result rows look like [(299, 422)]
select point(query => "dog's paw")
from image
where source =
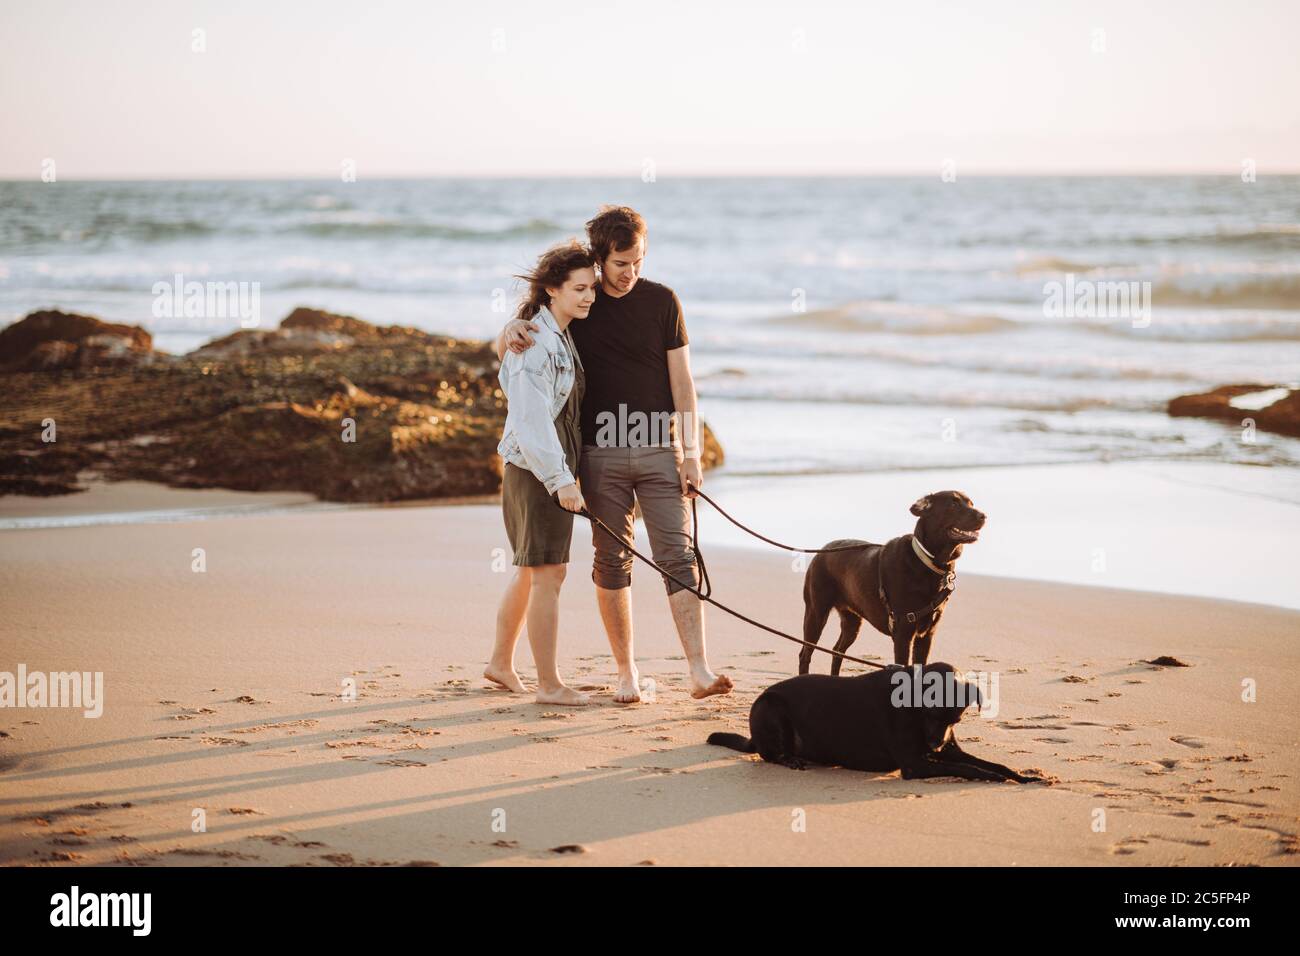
[(1036, 776)]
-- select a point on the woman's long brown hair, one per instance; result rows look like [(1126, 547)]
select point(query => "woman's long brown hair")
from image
[(552, 270)]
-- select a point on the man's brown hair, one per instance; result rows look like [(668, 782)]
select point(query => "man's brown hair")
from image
[(614, 229)]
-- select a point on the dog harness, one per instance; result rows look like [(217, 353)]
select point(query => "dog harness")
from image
[(945, 589)]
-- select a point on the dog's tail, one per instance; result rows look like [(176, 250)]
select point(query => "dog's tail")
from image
[(734, 741)]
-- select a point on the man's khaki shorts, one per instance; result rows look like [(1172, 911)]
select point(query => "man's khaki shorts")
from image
[(612, 480)]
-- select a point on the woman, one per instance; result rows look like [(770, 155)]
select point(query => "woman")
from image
[(540, 446)]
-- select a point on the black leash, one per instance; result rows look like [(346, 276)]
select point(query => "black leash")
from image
[(749, 530), (703, 596)]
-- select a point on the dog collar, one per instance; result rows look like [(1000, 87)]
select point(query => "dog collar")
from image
[(928, 560), (945, 590)]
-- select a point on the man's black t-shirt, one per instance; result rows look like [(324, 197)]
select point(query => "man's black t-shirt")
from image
[(622, 344)]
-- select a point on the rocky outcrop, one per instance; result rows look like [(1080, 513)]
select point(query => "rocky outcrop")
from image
[(309, 330), (1281, 417), (326, 404), (51, 340)]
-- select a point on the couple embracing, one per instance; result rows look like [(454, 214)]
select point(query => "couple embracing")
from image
[(594, 362)]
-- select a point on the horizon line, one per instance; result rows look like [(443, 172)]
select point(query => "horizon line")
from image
[(883, 174)]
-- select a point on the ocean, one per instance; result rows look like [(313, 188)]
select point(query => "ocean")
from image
[(838, 326)]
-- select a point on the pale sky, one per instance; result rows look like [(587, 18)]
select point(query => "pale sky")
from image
[(113, 89)]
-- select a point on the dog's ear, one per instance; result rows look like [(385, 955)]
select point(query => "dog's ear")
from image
[(920, 506)]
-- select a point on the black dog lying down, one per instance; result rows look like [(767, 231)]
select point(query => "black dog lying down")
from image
[(858, 722)]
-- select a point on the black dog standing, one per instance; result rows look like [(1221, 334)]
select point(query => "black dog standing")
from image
[(901, 587)]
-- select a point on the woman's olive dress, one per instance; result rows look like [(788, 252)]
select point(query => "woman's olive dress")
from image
[(540, 531)]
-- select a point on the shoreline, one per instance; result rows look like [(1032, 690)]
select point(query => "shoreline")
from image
[(1248, 510), (147, 502)]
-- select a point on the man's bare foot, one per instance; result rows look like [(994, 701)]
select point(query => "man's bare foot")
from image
[(628, 690), (564, 696), (707, 684), (505, 678)]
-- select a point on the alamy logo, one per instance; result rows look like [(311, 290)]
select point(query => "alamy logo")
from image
[(635, 428), (916, 687), (103, 909), (56, 689), (208, 300), (1086, 299)]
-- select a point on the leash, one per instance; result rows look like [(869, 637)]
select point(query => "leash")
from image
[(706, 596), (778, 544)]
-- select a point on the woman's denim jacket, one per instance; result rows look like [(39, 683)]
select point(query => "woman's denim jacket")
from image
[(536, 383)]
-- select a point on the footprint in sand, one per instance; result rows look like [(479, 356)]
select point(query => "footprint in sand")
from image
[(1288, 843), (1009, 726), (283, 725), (279, 839), (193, 712), (199, 851), (74, 837), (1207, 798), (1127, 846)]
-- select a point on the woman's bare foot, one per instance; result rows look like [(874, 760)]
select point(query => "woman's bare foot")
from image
[(506, 678), (564, 696), (628, 690), (707, 684)]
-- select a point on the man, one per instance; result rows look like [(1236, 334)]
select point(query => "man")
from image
[(641, 444)]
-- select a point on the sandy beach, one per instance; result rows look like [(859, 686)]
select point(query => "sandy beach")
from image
[(225, 694)]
